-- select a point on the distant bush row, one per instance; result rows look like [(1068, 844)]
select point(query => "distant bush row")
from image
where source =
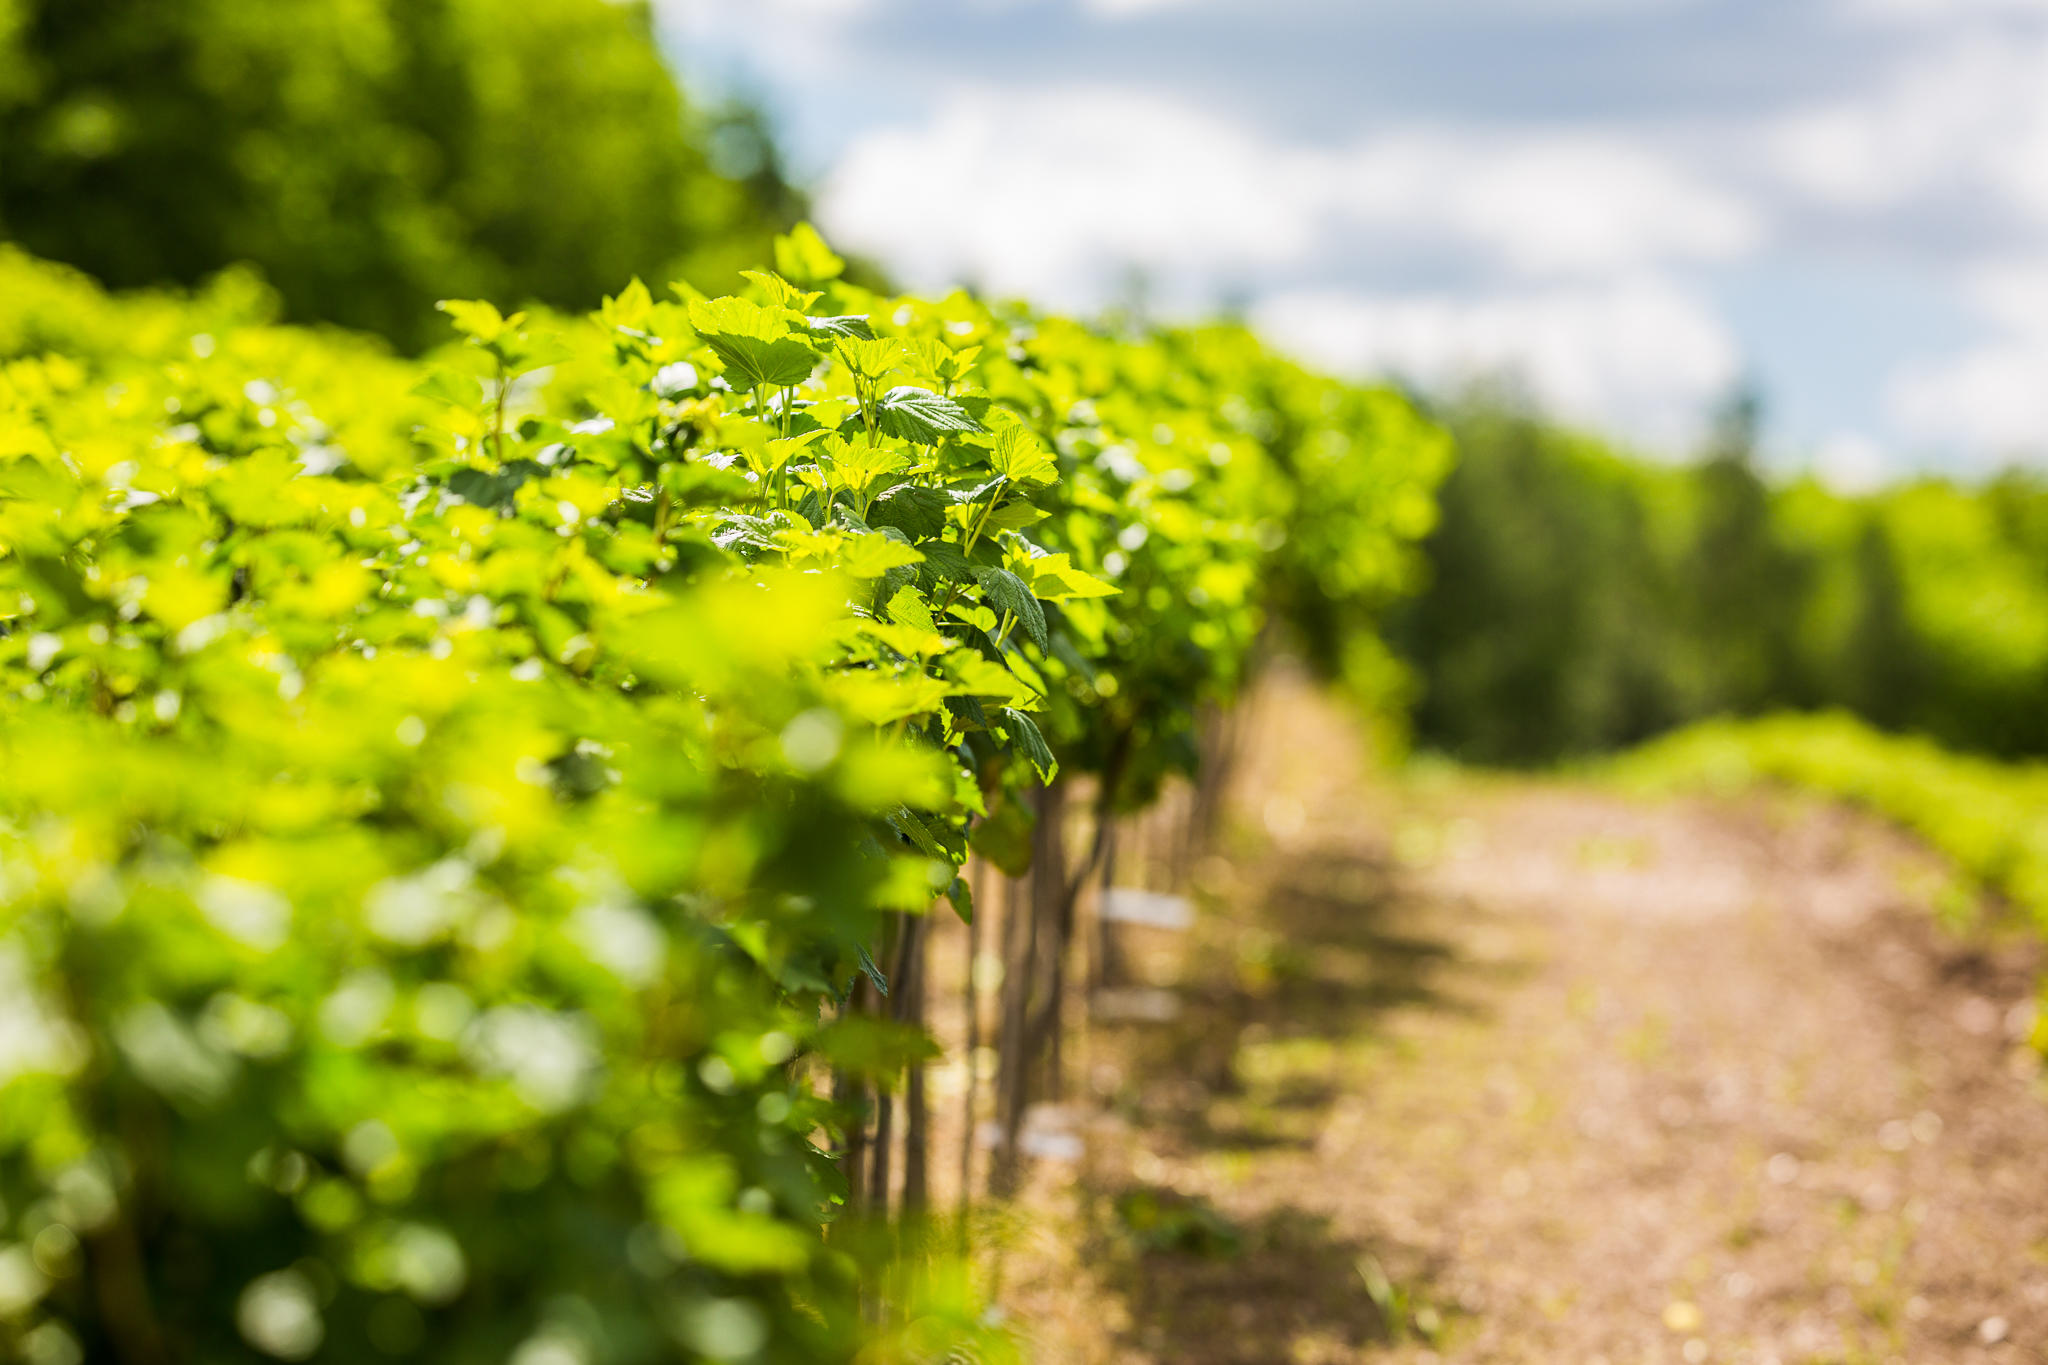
[(1581, 601)]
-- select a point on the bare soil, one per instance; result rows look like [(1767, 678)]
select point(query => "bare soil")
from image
[(1474, 1069)]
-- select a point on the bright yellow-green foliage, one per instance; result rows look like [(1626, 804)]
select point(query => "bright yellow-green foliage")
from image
[(445, 803), (1983, 815)]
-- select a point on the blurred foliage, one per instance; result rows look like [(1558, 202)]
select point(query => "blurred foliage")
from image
[(1580, 600), (1157, 1219), (372, 156), (450, 802)]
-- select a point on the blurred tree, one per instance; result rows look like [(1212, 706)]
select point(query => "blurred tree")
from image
[(1745, 584), (1546, 629), (1881, 675), (1580, 600), (372, 156)]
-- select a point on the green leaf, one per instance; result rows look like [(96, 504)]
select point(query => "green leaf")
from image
[(914, 509), (868, 967), (977, 676), (914, 414), (1008, 593), (1018, 457), (905, 823), (628, 310), (1024, 734), (801, 255), (853, 326), (908, 608), (784, 294), (856, 464), (962, 897), (947, 562), (754, 343), (870, 357), (1054, 579), (478, 320), (942, 362), (871, 556), (1015, 515)]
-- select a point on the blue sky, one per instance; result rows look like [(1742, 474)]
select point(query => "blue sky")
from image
[(1631, 205)]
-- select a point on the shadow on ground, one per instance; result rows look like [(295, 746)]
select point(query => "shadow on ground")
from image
[(1273, 999), (1292, 1290)]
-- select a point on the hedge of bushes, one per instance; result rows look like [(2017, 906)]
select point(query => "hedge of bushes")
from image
[(451, 805)]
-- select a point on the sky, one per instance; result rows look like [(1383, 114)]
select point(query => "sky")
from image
[(1630, 207)]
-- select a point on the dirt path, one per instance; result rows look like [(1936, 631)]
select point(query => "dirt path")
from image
[(1528, 1072)]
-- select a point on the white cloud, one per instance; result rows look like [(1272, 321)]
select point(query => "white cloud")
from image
[(1544, 203), (1992, 396), (2012, 294), (1852, 462), (782, 39), (1128, 9), (1968, 117), (1640, 355), (1055, 193), (1938, 11)]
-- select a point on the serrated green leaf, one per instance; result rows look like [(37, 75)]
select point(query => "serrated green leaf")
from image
[(913, 414), (980, 677), (906, 823), (916, 510), (1015, 515), (909, 608), (881, 699), (857, 464), (781, 292), (947, 562), (493, 489), (1018, 456), (871, 556), (853, 326), (1009, 594), (908, 640), (1024, 733), (1053, 578), (869, 357), (753, 343)]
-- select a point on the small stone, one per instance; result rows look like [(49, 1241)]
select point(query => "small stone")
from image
[(1682, 1317)]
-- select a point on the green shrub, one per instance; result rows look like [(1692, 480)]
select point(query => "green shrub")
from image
[(449, 803)]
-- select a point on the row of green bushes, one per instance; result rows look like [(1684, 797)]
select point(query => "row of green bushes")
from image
[(451, 806)]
